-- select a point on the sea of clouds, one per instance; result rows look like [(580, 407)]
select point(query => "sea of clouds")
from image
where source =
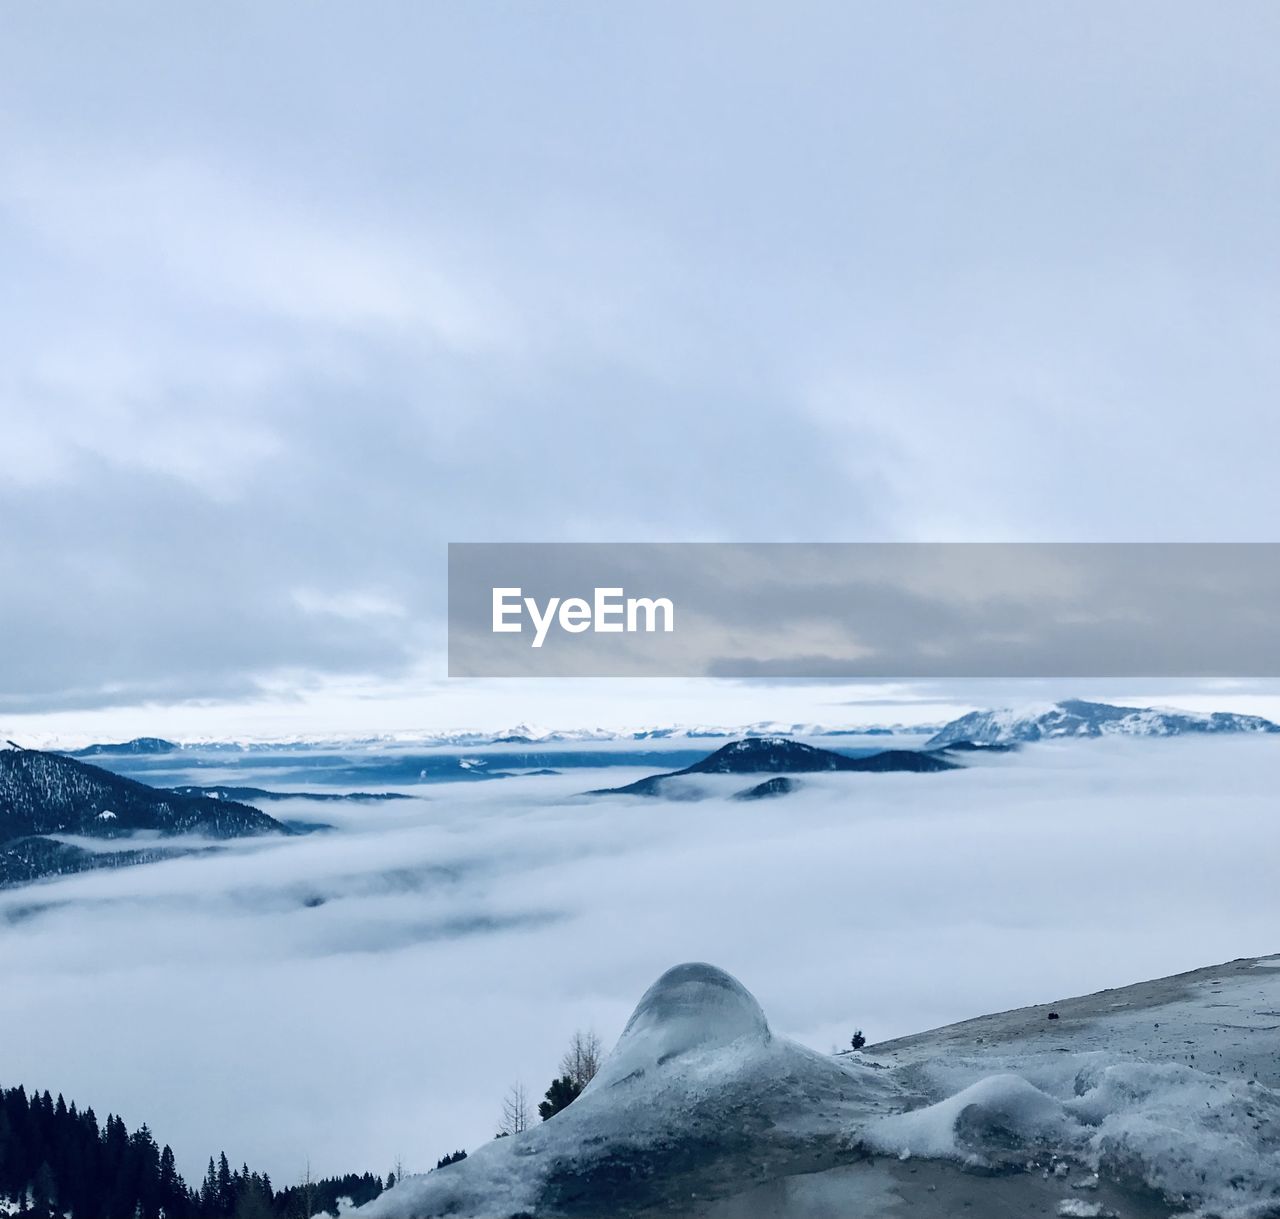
[(351, 998)]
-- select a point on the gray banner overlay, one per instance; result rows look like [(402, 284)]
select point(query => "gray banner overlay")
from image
[(888, 610)]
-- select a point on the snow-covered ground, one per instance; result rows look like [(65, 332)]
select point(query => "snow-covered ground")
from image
[(369, 994), (1174, 1083), (1154, 1099)]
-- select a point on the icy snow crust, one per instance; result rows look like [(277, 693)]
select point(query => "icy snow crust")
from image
[(1172, 1084), (698, 1100), (1169, 1086)]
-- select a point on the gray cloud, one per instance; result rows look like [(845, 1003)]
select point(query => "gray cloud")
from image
[(296, 296)]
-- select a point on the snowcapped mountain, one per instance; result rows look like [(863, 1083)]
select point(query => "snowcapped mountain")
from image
[(44, 796), (527, 734), (139, 745), (46, 793), (518, 734), (1075, 717)]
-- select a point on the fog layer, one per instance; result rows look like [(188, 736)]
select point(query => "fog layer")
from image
[(369, 993)]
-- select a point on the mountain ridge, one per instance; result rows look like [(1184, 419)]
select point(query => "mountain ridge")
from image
[(44, 795), (1075, 717), (519, 734), (779, 756)]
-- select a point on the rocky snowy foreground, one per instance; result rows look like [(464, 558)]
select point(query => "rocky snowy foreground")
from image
[(1155, 1100)]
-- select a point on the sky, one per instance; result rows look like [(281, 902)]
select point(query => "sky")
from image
[(296, 294)]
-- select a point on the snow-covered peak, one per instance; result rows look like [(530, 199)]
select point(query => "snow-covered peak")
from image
[(1077, 718), (757, 743)]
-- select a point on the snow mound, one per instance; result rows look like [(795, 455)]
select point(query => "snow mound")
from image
[(691, 1009), (698, 1099), (977, 1126)]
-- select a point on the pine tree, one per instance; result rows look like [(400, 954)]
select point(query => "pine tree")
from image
[(56, 1161), (225, 1199), (209, 1192), (171, 1194), (562, 1093), (43, 1191)]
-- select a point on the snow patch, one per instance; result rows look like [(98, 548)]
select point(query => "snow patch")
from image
[(1003, 1111), (1182, 1131), (1075, 1208)]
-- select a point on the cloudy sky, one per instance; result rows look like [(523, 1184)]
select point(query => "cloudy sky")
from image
[(296, 294)]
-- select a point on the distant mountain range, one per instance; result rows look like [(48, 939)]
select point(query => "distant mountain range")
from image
[(251, 794), (46, 795), (1072, 717), (1076, 718), (521, 734), (776, 756)]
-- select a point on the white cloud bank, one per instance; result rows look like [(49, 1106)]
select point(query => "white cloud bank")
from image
[(353, 997)]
